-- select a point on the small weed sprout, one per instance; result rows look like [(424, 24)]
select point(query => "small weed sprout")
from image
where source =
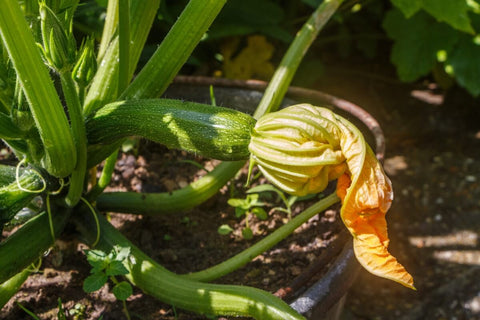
[(107, 266)]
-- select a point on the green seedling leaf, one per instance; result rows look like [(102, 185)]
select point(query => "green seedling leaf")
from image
[(247, 233), (238, 203), (61, 311), (94, 282), (116, 268), (411, 59), (252, 200), (97, 259), (239, 212), (260, 213), (122, 253), (224, 229), (122, 290)]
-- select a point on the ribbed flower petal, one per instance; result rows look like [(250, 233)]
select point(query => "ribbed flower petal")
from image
[(302, 147)]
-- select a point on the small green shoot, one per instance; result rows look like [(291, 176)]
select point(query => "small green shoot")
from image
[(107, 266), (30, 313), (288, 201), (245, 207)]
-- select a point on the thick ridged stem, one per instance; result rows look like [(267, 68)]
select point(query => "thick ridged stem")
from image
[(28, 243), (104, 86), (174, 50), (182, 293), (47, 110), (169, 202), (12, 285)]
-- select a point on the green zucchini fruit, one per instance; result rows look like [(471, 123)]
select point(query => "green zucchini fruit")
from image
[(213, 132), (7, 174)]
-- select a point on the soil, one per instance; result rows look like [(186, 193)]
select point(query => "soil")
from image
[(433, 160)]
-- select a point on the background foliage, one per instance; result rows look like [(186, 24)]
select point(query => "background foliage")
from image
[(424, 38)]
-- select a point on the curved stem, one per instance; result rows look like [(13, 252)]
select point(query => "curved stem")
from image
[(28, 243), (183, 293), (284, 73), (170, 202), (12, 285), (105, 177), (263, 245)]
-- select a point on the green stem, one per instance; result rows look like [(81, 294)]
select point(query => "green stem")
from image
[(8, 130), (105, 177), (263, 245), (111, 22), (77, 179), (12, 285), (174, 50), (104, 86), (283, 75), (124, 44), (191, 295), (47, 110), (170, 202), (28, 243)]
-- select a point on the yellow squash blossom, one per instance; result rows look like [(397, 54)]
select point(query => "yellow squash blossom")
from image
[(302, 147)]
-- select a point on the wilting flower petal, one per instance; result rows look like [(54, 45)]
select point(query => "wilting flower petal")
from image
[(302, 147)]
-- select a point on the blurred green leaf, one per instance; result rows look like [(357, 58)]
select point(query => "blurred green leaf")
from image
[(224, 229), (239, 212), (242, 17), (234, 202), (453, 12), (417, 41), (247, 233), (408, 7), (260, 213), (464, 61)]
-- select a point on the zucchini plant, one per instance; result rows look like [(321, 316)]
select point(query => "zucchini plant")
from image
[(59, 132)]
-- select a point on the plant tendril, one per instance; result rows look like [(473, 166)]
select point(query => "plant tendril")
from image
[(62, 184), (17, 179), (97, 223)]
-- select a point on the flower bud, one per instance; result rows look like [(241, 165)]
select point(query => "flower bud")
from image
[(86, 64), (58, 42)]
